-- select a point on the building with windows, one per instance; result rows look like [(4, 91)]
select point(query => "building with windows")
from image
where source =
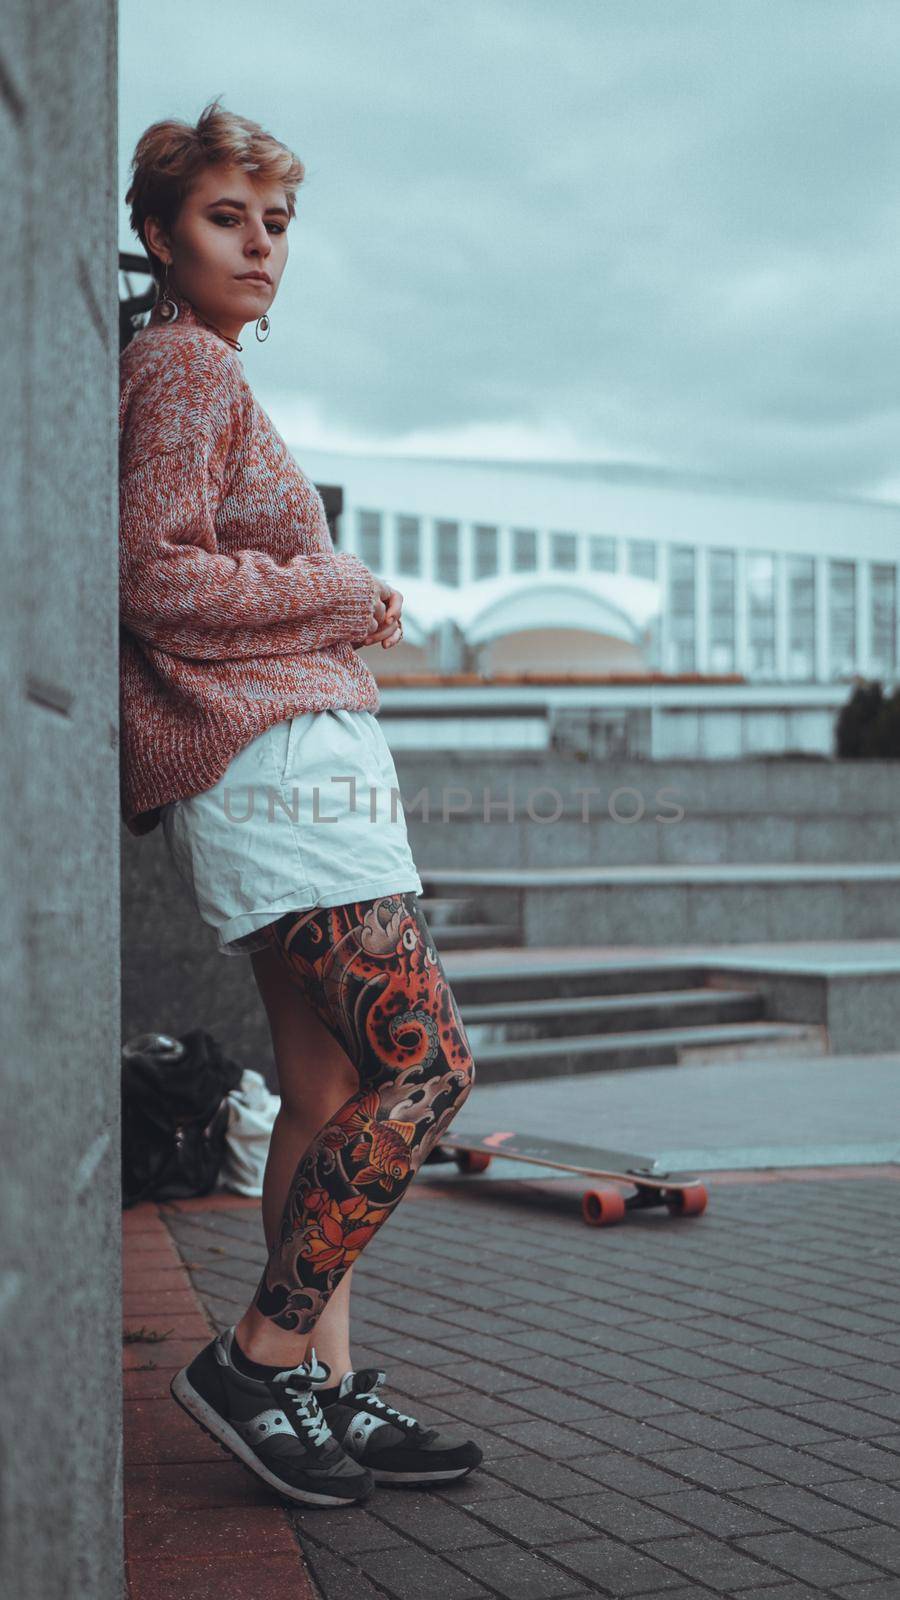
[(605, 570)]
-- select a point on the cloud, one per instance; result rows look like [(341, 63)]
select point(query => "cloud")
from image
[(622, 227)]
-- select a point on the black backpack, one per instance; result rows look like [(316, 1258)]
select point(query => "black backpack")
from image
[(174, 1115)]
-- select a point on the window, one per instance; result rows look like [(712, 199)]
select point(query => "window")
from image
[(682, 596), (409, 546), (883, 599), (369, 537), (447, 551), (487, 551), (801, 604), (761, 612), (842, 617), (602, 553), (563, 551), (641, 558), (721, 611), (524, 550)]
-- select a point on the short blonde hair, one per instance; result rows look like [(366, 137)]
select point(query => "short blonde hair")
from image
[(169, 155)]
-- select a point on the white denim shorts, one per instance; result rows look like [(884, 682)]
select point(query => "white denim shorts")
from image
[(307, 814)]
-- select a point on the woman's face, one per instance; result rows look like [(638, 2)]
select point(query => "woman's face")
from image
[(230, 224)]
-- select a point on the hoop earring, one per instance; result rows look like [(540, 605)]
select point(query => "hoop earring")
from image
[(168, 308), (264, 323)]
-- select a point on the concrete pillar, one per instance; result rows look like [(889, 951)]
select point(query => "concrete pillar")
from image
[(60, 1279)]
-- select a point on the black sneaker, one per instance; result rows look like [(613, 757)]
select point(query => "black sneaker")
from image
[(396, 1447), (275, 1426)]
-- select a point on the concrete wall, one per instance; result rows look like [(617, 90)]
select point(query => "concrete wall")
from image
[(60, 1400)]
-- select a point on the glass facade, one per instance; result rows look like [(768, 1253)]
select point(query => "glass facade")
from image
[(722, 611), (487, 550), (821, 594), (409, 546), (641, 555), (761, 613), (524, 552), (602, 552), (446, 536), (801, 618), (682, 603), (563, 551), (368, 541), (883, 623), (841, 618)]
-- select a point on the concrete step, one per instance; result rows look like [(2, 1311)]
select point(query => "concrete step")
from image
[(561, 979), (475, 935), (501, 1021), (694, 838), (695, 904), (441, 910), (545, 1058)]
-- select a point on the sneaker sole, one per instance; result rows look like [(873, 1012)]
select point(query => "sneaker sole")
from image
[(384, 1475), (217, 1428)]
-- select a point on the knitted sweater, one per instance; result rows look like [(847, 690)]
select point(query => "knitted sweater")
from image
[(236, 611)]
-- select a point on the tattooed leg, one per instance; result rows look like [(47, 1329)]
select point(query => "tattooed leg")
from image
[(372, 974)]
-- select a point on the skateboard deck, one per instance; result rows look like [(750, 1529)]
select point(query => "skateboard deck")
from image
[(680, 1192)]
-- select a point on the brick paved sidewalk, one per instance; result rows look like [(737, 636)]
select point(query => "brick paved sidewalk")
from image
[(669, 1408)]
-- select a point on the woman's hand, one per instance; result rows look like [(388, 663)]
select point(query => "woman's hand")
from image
[(386, 628)]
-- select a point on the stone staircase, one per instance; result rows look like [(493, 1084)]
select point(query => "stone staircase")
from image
[(549, 1019), (763, 860), (459, 923)]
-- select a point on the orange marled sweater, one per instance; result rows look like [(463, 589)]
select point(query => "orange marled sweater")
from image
[(236, 611)]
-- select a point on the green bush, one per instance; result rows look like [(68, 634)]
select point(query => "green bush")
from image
[(868, 726)]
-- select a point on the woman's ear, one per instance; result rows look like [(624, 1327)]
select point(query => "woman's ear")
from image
[(158, 240)]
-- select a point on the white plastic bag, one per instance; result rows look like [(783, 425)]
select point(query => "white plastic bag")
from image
[(252, 1110)]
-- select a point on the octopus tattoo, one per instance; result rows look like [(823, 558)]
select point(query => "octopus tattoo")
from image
[(374, 978)]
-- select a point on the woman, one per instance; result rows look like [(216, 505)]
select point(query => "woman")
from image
[(241, 691)]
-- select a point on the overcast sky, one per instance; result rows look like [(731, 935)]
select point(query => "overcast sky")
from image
[(661, 231)]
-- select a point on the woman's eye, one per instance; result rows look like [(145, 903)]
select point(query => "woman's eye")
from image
[(224, 216)]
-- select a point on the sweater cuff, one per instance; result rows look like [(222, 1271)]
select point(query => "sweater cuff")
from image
[(357, 594)]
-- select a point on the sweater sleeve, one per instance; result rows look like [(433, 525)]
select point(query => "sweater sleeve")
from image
[(177, 591)]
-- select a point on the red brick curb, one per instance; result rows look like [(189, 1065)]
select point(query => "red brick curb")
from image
[(197, 1525)]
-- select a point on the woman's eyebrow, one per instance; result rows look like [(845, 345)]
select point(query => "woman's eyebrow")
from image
[(241, 205)]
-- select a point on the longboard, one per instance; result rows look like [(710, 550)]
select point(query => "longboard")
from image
[(680, 1192)]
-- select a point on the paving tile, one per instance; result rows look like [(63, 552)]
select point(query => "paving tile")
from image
[(335, 1578), (345, 1529), (193, 1485), (714, 1513), (440, 1526), (171, 1353), (813, 1513), (177, 1324), (875, 1543), (264, 1577), (878, 1589), (516, 1573), (409, 1573), (712, 1561), (526, 1519), (616, 1567), (191, 1533), (159, 1430), (782, 1591), (801, 1556)]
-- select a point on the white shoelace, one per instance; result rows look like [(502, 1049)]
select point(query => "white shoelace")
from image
[(389, 1411), (306, 1408), (304, 1403)]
